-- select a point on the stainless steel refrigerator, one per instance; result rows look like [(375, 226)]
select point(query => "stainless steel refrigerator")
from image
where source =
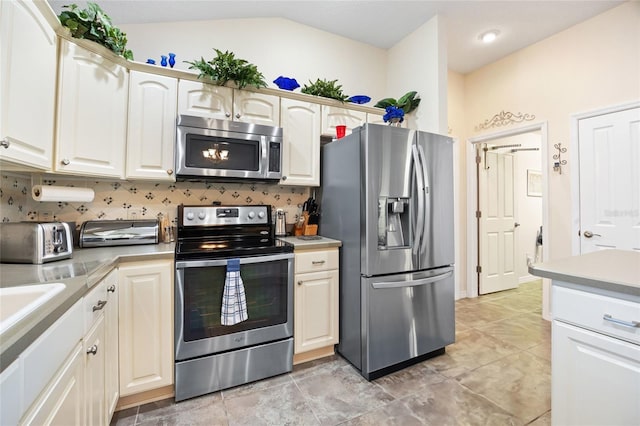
[(387, 194)]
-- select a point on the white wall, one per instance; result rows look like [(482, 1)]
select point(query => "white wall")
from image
[(419, 62), (276, 46)]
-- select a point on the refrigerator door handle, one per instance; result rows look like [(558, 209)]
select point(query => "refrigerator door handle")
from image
[(427, 203), (402, 284), (420, 191)]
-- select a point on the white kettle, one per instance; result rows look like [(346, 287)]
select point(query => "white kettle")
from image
[(281, 223)]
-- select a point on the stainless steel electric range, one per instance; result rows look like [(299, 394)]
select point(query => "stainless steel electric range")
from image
[(211, 356)]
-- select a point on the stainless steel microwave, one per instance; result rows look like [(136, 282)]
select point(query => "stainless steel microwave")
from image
[(208, 148)]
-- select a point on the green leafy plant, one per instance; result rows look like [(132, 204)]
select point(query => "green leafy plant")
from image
[(95, 25), (226, 67), (326, 89), (408, 102)]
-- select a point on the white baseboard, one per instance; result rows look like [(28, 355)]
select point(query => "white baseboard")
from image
[(526, 279)]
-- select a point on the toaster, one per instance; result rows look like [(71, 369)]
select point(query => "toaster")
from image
[(35, 242)]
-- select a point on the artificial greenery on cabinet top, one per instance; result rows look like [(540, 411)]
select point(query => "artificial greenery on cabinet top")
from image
[(326, 89), (226, 67), (95, 25)]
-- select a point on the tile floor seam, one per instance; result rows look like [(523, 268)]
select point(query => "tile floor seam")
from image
[(541, 415), (495, 403), (295, 382)]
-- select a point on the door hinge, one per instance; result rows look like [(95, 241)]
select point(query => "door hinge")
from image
[(479, 269), (478, 159), (478, 214)]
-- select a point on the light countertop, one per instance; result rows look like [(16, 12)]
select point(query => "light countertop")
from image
[(85, 269), (303, 243), (610, 270)]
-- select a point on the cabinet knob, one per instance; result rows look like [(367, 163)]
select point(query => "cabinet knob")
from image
[(284, 178), (238, 116), (299, 282), (227, 114), (93, 350), (170, 172), (111, 289), (100, 305), (65, 161), (5, 143)]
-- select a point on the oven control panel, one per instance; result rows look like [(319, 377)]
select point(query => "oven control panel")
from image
[(225, 215)]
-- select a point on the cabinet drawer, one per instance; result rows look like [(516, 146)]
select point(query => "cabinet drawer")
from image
[(588, 310), (94, 303), (320, 260)]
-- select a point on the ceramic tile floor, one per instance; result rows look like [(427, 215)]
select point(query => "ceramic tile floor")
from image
[(497, 373)]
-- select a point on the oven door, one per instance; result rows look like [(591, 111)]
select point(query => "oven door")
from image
[(226, 154), (199, 284)]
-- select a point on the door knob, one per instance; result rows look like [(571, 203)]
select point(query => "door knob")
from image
[(589, 234), (515, 225)]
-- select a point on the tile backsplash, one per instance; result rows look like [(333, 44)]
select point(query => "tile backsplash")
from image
[(138, 200)]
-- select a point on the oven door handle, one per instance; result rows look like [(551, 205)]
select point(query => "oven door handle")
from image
[(182, 264)]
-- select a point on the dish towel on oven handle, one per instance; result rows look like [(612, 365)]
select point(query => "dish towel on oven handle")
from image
[(234, 301)]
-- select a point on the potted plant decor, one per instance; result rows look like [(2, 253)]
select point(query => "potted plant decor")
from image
[(95, 25), (326, 89), (226, 67), (396, 109)]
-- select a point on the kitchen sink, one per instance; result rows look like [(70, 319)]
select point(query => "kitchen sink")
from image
[(18, 302)]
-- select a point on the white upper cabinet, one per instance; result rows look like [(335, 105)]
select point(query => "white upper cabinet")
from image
[(301, 151), (376, 118), (151, 129), (210, 101), (92, 114), (27, 85), (204, 100), (257, 108), (334, 116)]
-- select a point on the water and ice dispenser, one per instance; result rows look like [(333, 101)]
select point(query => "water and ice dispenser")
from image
[(393, 223)]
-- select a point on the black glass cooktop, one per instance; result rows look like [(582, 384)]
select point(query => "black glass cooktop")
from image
[(215, 248)]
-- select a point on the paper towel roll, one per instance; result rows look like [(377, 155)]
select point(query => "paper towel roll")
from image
[(62, 193)]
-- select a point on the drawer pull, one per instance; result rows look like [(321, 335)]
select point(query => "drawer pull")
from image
[(93, 350), (111, 289), (632, 324), (317, 262), (100, 305), (299, 282)]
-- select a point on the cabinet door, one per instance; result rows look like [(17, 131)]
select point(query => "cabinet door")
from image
[(92, 114), (316, 310), (111, 379), (62, 403), (204, 100), (301, 151), (151, 132), (94, 374), (146, 326), (333, 116), (595, 379), (27, 85), (257, 108)]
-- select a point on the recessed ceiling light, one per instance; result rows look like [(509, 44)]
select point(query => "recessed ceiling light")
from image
[(489, 36)]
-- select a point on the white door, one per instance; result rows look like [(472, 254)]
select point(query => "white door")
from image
[(609, 151), (497, 223)]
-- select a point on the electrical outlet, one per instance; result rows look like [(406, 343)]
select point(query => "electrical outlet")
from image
[(46, 216)]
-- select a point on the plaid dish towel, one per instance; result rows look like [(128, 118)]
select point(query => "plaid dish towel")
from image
[(234, 302)]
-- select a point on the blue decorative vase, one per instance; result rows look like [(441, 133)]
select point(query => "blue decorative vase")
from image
[(151, 61), (163, 61), (172, 59)]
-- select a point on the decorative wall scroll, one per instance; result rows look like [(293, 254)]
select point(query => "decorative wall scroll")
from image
[(558, 161), (503, 119)]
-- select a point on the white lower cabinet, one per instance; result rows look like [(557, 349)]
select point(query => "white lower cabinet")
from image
[(111, 379), (146, 326), (595, 367), (316, 303), (94, 352), (63, 400)]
